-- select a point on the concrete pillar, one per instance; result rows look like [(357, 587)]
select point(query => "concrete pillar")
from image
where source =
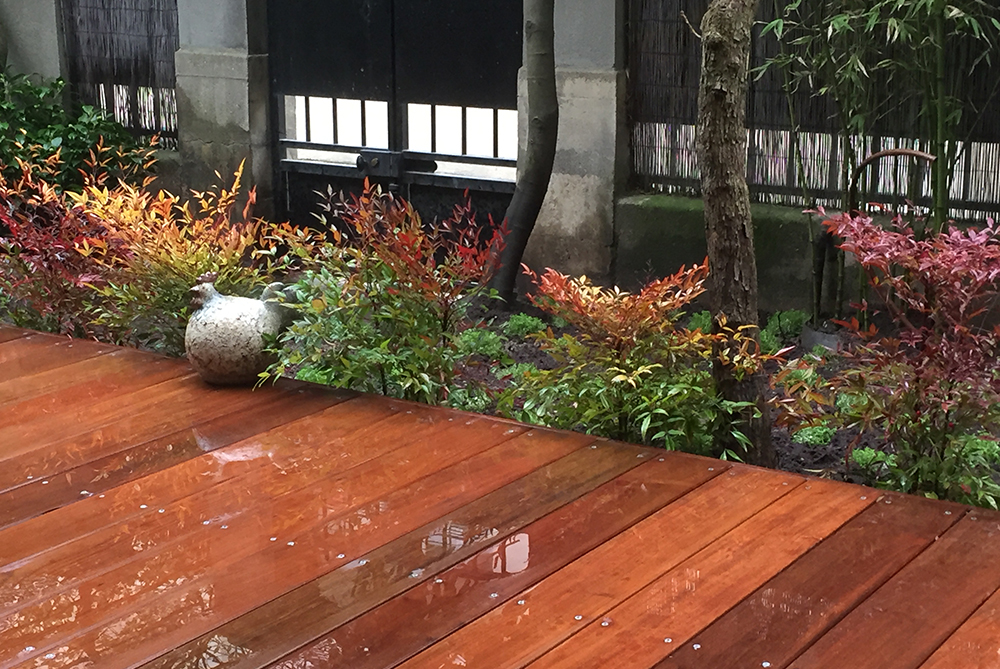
[(33, 36), (575, 229), (222, 94)]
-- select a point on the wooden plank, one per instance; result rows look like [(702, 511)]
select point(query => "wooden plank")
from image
[(78, 373), (774, 625), (162, 528), (564, 603), (62, 488), (306, 539), (488, 579), (9, 332), (923, 604), (36, 353), (167, 550), (297, 448), (73, 438), (122, 373), (400, 560), (694, 593), (975, 645)]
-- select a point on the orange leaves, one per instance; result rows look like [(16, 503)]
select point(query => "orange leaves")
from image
[(615, 317)]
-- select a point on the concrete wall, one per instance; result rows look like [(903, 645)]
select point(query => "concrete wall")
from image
[(575, 229), (656, 234), (33, 36), (222, 94)]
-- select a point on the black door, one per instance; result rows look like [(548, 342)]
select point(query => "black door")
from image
[(420, 95)]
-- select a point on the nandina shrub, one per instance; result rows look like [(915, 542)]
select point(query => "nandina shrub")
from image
[(933, 390), (45, 282), (38, 129), (383, 301), (155, 248), (631, 372)]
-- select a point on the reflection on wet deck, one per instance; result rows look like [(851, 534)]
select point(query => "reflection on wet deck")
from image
[(147, 520)]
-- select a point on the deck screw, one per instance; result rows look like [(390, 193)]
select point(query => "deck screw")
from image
[(888, 501), (439, 580), (274, 538), (765, 664), (641, 455), (578, 617), (947, 513), (340, 556), (225, 527), (494, 595), (663, 459), (668, 640), (45, 482), (864, 497), (696, 646), (520, 602), (363, 562), (30, 477), (143, 506), (161, 510), (291, 543), (84, 492), (206, 522), (605, 623), (711, 469)]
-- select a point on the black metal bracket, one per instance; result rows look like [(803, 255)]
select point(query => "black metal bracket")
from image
[(381, 164)]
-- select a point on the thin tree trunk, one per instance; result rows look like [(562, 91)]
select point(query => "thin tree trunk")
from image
[(540, 150), (721, 146)]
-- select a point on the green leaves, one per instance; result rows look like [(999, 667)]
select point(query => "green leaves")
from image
[(37, 128), (382, 305), (630, 373)]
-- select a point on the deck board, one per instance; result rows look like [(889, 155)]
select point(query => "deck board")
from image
[(499, 572), (149, 520), (783, 617), (8, 333), (37, 353), (924, 603)]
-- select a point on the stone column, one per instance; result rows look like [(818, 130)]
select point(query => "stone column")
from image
[(575, 229), (223, 95), (33, 37)]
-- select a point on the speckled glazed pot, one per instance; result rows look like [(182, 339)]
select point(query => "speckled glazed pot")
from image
[(224, 337)]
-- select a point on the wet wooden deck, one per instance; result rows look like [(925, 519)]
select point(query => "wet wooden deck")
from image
[(151, 521)]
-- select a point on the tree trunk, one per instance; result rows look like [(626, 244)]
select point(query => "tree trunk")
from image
[(721, 146), (540, 150)]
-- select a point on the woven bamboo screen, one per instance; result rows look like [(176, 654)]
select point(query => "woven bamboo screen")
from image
[(121, 59), (664, 63)]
